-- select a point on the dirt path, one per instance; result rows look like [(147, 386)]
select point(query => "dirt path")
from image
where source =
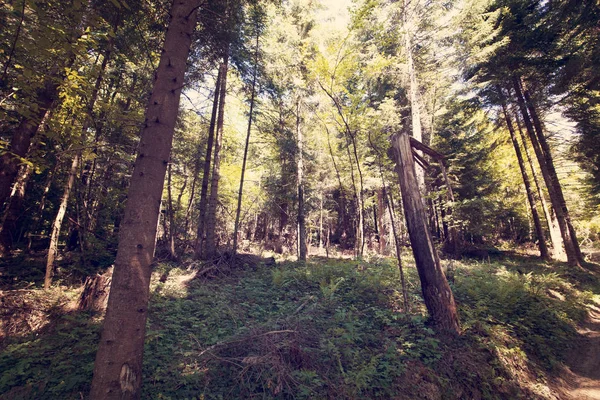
[(584, 362)]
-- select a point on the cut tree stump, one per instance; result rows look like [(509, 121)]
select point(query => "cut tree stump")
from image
[(95, 292)]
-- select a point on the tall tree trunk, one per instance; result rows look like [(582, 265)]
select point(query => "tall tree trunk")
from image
[(342, 202), (57, 224), (415, 110), (380, 213), (246, 145), (321, 221), (555, 236), (436, 291), (118, 366), (11, 53), (171, 214), (546, 174), (358, 193), (301, 216), (361, 210), (544, 254), (537, 124), (207, 160), (211, 209)]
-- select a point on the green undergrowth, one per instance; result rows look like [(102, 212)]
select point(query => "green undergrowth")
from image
[(327, 329)]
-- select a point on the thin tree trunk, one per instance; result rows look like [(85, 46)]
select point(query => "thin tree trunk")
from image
[(415, 110), (118, 366), (211, 210), (381, 194), (342, 206), (182, 190), (360, 229), (361, 215), (436, 291), (57, 224), (544, 254), (301, 217), (11, 53), (246, 145), (321, 221), (170, 212), (386, 197), (551, 221), (207, 160), (537, 124), (358, 226), (546, 174)]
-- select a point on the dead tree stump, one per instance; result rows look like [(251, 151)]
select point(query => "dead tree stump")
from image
[(95, 292)]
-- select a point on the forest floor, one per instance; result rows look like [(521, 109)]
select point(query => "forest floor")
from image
[(583, 364), (327, 329)]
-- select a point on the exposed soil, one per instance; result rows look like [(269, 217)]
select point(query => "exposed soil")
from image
[(583, 372)]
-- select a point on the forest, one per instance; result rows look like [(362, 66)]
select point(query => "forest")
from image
[(300, 199)]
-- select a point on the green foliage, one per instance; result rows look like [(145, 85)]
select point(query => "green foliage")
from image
[(539, 310), (321, 329), (55, 364)]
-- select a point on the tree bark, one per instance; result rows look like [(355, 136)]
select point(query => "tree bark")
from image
[(118, 366), (543, 160), (436, 291), (544, 254), (210, 249), (207, 160)]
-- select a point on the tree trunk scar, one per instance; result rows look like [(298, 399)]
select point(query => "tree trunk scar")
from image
[(127, 378)]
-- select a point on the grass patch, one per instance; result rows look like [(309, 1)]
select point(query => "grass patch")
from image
[(327, 329)]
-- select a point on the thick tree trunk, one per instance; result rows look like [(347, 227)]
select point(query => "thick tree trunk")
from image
[(537, 124), (558, 249), (210, 249), (207, 160), (436, 291), (246, 146), (118, 366), (544, 254), (300, 167), (57, 224), (543, 160)]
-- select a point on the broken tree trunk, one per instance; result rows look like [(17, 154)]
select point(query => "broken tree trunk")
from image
[(436, 291)]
